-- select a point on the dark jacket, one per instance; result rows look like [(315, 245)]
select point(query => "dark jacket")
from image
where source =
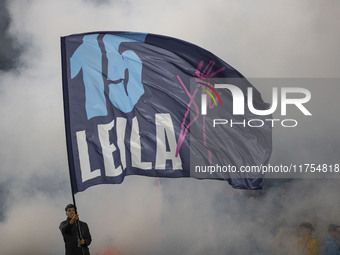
[(70, 235)]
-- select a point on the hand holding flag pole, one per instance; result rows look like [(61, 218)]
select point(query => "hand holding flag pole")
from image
[(75, 220)]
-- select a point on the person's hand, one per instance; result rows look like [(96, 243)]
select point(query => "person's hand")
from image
[(82, 242), (74, 219)]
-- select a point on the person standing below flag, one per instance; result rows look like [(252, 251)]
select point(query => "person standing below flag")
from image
[(331, 246), (307, 245), (76, 233)]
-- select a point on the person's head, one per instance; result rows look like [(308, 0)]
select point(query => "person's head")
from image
[(70, 210), (334, 231), (305, 229), (338, 231)]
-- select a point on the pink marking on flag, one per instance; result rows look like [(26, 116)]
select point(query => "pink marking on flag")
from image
[(200, 77), (185, 130)]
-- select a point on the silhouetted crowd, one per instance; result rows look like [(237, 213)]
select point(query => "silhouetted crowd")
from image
[(306, 240), (312, 236)]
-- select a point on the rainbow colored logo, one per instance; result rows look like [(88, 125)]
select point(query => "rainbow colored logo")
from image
[(209, 93), (204, 98)]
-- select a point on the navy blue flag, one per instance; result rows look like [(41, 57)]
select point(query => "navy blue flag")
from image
[(144, 104)]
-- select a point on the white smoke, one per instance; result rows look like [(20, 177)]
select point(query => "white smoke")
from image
[(181, 216)]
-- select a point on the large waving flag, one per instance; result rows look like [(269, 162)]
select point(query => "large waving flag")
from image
[(144, 104)]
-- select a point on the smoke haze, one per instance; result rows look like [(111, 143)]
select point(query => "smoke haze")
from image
[(261, 39)]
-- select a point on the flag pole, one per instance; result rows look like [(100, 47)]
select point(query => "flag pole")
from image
[(68, 133), (77, 222), (67, 122)]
